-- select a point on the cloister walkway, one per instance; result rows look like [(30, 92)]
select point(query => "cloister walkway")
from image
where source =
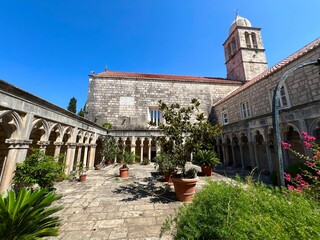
[(108, 207)]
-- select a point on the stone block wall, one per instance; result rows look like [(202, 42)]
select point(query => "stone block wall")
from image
[(125, 102)]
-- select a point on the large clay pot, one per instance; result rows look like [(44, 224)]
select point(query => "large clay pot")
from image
[(167, 177), (124, 172), (82, 178), (206, 170), (185, 188)]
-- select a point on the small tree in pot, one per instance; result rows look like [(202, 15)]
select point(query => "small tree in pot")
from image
[(126, 158), (165, 165), (110, 149), (207, 159), (187, 129)]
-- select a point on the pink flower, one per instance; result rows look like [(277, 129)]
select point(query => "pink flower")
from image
[(298, 177), (304, 134), (290, 187), (318, 173), (285, 145), (311, 164), (287, 177), (306, 144), (310, 138)]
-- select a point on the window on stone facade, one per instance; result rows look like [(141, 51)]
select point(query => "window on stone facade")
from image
[(254, 40), (247, 37), (224, 116), (154, 116), (233, 45), (245, 110), (229, 50), (284, 98)]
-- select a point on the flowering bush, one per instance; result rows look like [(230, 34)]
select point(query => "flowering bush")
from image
[(309, 180)]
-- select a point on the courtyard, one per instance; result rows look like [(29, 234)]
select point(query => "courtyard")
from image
[(108, 207)]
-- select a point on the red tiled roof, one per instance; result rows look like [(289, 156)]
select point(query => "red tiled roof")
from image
[(167, 77), (273, 69)]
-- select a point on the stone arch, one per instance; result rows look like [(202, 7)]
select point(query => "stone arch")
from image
[(244, 141), (220, 150), (98, 156), (39, 134), (146, 143), (291, 134), (236, 150), (127, 142), (153, 148), (261, 152), (55, 135), (228, 150), (314, 129)]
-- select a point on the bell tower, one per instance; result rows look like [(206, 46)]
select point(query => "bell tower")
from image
[(244, 52)]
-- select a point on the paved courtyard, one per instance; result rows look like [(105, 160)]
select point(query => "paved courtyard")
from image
[(108, 207)]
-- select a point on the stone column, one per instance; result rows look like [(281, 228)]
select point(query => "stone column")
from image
[(92, 155), (57, 149), (71, 150), (269, 158), (43, 145), (224, 153), (85, 155), (133, 144), (233, 155), (241, 156), (17, 152), (149, 150), (79, 145), (141, 152), (251, 154)]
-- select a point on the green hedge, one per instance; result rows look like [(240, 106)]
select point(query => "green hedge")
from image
[(246, 211)]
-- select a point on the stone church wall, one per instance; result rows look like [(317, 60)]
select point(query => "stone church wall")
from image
[(125, 102)]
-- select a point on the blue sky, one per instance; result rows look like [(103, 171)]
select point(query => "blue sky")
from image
[(48, 48)]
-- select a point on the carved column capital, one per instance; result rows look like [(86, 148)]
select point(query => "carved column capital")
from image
[(18, 143)]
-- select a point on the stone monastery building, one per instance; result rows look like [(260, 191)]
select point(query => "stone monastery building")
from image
[(241, 103)]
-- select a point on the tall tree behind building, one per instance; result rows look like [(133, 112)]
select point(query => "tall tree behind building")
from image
[(72, 107)]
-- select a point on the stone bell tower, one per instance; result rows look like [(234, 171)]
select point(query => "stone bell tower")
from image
[(244, 51)]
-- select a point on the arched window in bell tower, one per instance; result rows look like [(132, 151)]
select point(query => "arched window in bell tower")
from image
[(229, 50), (254, 40), (247, 37), (233, 45)]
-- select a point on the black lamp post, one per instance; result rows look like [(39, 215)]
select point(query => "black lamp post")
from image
[(275, 116)]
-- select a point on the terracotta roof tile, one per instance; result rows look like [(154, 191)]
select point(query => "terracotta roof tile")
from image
[(277, 67), (166, 77)]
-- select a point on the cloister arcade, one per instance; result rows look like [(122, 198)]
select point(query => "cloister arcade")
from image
[(254, 148)]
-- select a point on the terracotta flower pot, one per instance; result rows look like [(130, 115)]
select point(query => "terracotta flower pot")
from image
[(206, 170), (83, 178), (185, 188), (98, 167), (124, 172), (167, 177)]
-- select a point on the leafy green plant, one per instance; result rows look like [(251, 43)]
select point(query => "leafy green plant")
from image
[(28, 214), (246, 210), (127, 158), (186, 131), (164, 163), (38, 168), (110, 148), (107, 125), (81, 169), (145, 161), (206, 158)]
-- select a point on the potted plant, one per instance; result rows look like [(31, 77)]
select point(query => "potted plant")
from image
[(207, 159), (126, 158), (110, 149), (165, 165), (98, 167), (185, 130), (82, 172)]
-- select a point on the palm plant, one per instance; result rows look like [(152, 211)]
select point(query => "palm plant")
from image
[(27, 215), (127, 158), (206, 158)]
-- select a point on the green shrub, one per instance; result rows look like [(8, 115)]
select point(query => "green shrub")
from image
[(145, 161), (252, 211), (39, 169), (27, 215)]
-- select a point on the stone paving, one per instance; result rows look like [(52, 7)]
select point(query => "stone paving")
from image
[(109, 207)]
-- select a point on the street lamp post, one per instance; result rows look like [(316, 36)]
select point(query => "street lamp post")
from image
[(275, 115)]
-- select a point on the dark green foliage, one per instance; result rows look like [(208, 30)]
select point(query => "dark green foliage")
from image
[(107, 125), (145, 161), (127, 158), (246, 211), (82, 111), (72, 107), (164, 162), (187, 128), (206, 158), (40, 169), (110, 147), (28, 214)]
